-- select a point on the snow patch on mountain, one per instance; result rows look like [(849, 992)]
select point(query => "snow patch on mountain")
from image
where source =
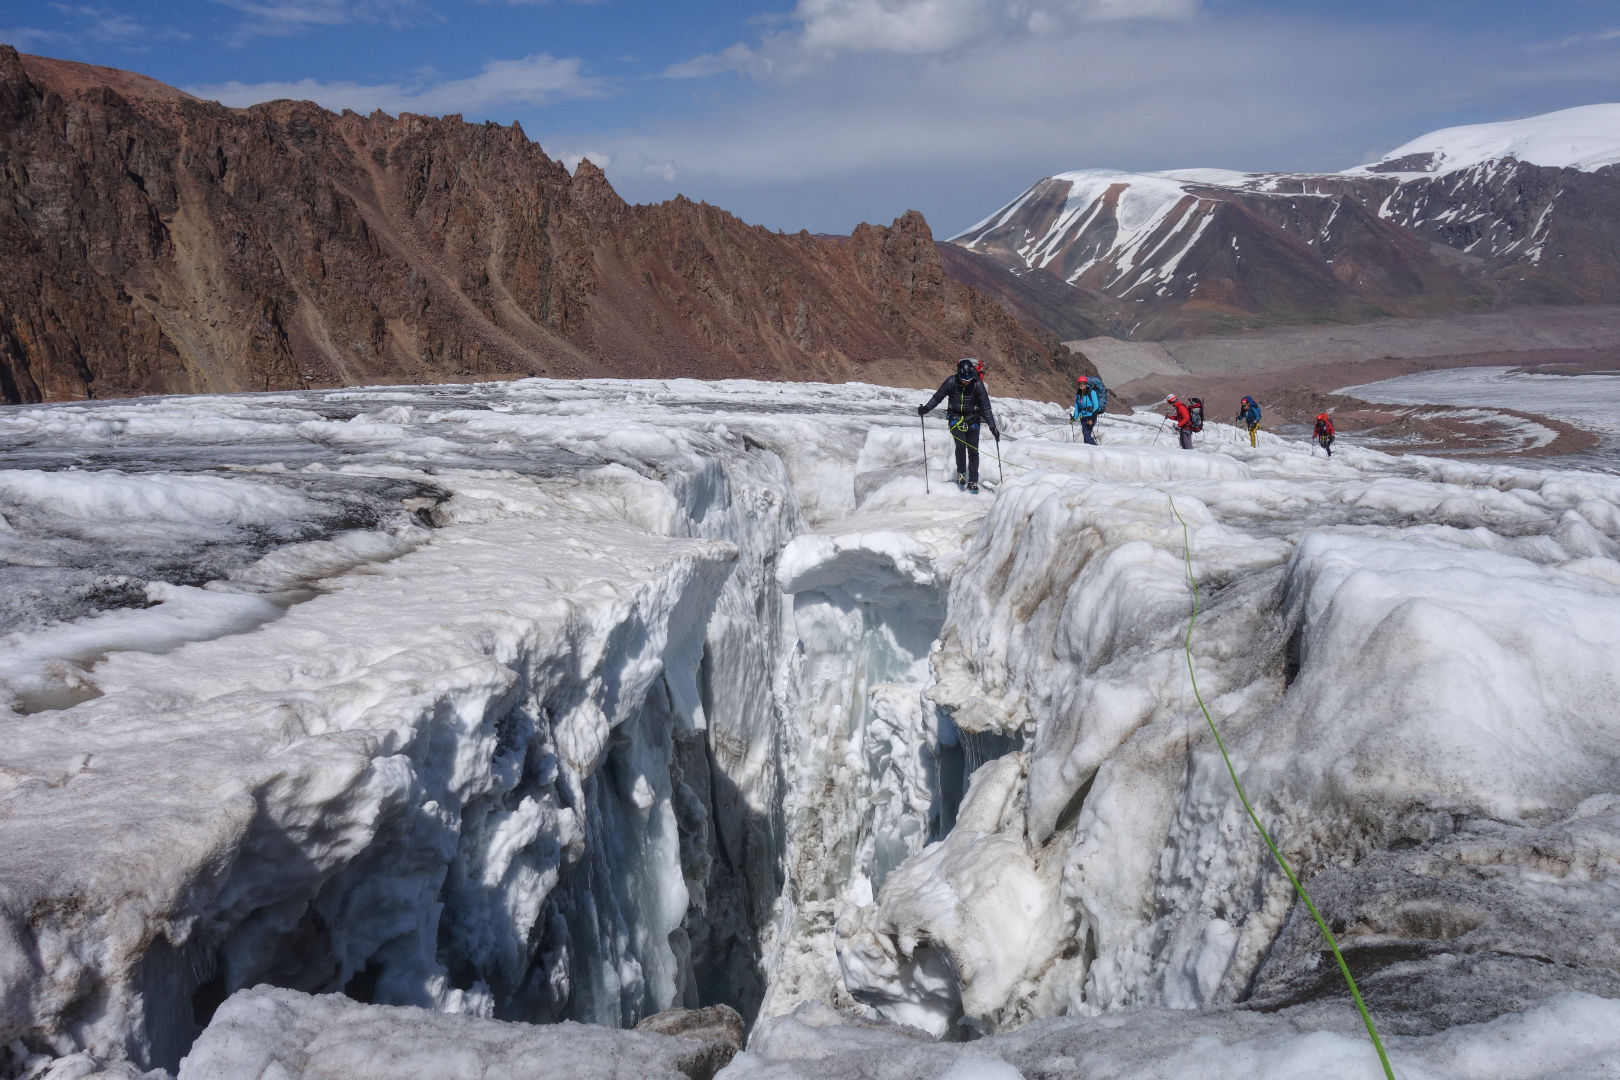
[(1585, 138)]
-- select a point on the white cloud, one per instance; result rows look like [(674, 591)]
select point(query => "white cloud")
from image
[(1095, 94), (738, 57), (28, 38), (281, 18), (1136, 9), (830, 27), (502, 84), (1598, 38), (956, 133), (88, 23), (597, 158), (822, 30)]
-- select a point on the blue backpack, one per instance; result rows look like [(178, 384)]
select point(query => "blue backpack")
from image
[(1251, 410), (1093, 385)]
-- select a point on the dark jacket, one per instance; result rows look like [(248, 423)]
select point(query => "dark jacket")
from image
[(969, 402)]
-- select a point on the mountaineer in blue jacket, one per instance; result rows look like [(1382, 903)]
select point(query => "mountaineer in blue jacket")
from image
[(1249, 415), (1090, 398), (967, 406)]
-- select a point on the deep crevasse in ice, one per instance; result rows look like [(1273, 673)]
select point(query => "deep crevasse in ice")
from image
[(521, 763), (678, 698), (1413, 665)]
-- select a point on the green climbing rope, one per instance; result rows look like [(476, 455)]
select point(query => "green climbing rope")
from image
[(985, 452), (1366, 1017)]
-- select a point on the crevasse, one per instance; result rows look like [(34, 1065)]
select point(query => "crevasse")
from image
[(641, 695)]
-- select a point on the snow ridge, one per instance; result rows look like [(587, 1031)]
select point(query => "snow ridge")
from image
[(1586, 138)]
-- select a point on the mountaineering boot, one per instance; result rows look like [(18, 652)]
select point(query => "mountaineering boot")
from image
[(973, 489), (961, 479)]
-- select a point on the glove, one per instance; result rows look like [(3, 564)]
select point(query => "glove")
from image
[(995, 434), (922, 410)]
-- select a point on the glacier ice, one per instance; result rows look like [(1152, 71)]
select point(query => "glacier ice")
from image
[(551, 701), (268, 1034)]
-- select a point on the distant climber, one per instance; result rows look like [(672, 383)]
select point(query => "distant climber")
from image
[(1090, 399), (1248, 414), (1182, 415), (1324, 432), (967, 406)]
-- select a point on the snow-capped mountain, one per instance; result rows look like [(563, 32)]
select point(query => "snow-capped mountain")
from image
[(1459, 219), (1587, 139)]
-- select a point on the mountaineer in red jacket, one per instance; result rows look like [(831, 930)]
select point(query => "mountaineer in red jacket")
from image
[(1183, 418), (1324, 432)]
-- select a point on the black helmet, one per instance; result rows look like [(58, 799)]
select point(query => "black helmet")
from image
[(966, 369)]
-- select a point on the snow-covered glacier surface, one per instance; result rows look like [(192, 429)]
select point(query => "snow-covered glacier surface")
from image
[(548, 701)]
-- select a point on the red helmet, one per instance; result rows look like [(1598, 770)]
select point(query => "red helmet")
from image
[(1082, 379), (1321, 416)]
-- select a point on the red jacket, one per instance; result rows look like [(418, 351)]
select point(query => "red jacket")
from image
[(1181, 414), (1324, 427)]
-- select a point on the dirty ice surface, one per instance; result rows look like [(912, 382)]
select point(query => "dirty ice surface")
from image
[(1590, 402), (548, 701)]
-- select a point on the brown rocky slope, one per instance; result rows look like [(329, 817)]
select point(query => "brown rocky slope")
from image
[(157, 243)]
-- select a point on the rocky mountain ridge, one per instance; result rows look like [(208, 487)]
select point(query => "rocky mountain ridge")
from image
[(164, 244)]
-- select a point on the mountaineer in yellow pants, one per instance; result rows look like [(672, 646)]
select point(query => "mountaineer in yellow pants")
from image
[(1249, 415)]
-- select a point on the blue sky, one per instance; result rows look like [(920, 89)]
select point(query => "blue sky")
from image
[(821, 114)]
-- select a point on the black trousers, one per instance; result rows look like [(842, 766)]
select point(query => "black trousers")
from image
[(967, 451), (1087, 423)]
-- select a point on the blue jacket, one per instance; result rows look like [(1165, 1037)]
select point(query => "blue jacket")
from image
[(1085, 404)]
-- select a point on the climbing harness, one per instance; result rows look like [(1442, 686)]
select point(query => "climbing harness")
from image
[(1186, 550)]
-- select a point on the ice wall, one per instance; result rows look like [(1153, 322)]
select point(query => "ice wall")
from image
[(460, 699), (1412, 664)]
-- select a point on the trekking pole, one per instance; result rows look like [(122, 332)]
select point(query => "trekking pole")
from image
[(924, 425), (1159, 432), (1001, 474)]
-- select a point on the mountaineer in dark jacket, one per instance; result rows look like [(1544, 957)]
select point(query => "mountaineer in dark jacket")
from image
[(967, 406)]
